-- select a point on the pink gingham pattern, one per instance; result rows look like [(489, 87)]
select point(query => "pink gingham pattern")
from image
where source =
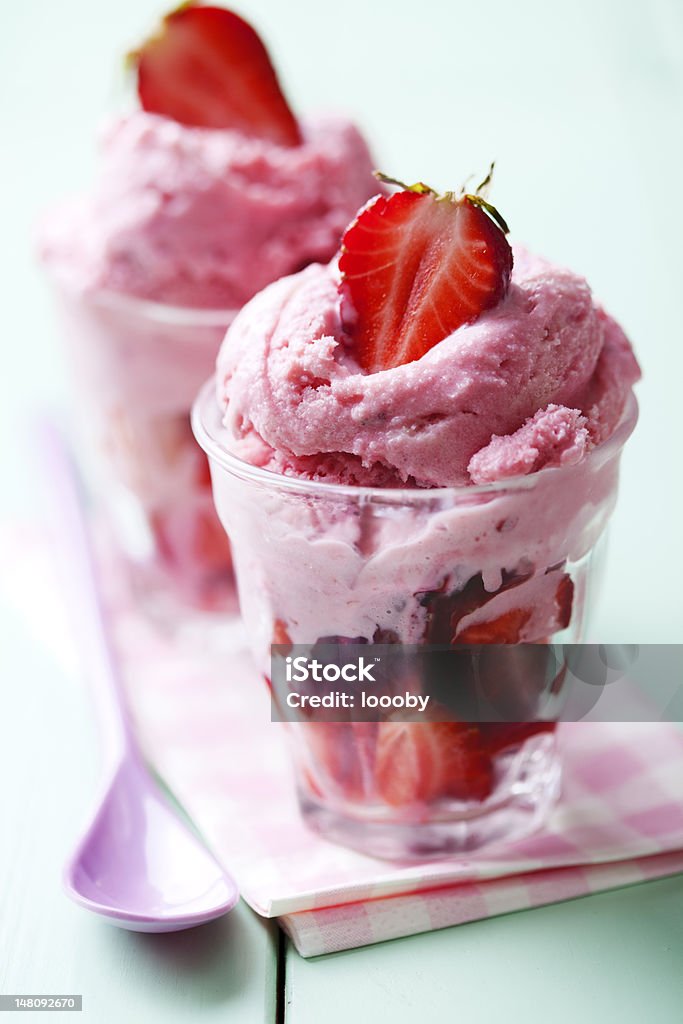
[(203, 718)]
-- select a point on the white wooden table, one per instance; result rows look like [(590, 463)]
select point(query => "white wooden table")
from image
[(581, 105)]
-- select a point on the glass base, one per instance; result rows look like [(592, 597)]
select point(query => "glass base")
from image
[(527, 791)]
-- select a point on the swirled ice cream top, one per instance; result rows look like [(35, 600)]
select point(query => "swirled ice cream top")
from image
[(536, 381), (205, 217)]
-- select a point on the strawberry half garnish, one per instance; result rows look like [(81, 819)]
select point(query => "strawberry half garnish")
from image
[(416, 266), (207, 67)]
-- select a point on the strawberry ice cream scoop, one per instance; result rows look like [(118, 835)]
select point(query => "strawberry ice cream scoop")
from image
[(206, 217), (555, 436), (536, 381)]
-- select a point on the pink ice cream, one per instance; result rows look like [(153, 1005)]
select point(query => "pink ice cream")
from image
[(536, 382), (199, 217)]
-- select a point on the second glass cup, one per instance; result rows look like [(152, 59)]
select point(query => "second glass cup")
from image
[(136, 367), (507, 563)]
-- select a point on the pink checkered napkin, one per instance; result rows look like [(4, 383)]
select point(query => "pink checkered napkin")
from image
[(331, 929), (204, 720)]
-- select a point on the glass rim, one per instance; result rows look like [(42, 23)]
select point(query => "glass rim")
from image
[(208, 437), (153, 309)]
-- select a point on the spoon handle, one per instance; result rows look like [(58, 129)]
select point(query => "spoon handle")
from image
[(82, 592)]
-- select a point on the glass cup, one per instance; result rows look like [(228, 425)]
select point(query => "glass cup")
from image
[(506, 563), (136, 367)]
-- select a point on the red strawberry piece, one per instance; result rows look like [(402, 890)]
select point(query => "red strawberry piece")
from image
[(498, 736), (418, 762), (191, 540), (210, 545), (564, 599), (416, 266), (202, 473), (506, 629), (207, 67), (281, 633)]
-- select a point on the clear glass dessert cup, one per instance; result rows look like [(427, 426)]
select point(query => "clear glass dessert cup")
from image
[(136, 367), (506, 563)]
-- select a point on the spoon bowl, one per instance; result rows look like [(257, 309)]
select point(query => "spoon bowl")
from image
[(140, 866)]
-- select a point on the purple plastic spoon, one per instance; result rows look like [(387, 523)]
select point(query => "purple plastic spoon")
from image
[(138, 864)]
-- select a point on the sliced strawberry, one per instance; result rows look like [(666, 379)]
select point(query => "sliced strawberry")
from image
[(418, 762), (208, 68), (415, 266), (506, 629)]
